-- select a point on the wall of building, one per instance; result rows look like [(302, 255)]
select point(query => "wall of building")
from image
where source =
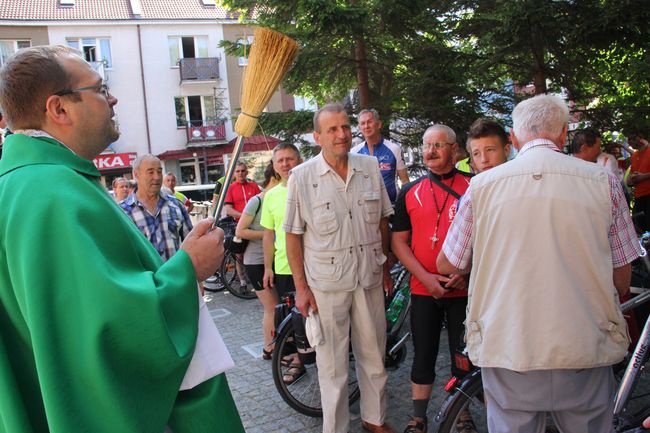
[(163, 80), (124, 79), (38, 35)]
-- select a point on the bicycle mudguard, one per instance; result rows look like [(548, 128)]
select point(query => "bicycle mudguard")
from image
[(460, 388), (287, 321)]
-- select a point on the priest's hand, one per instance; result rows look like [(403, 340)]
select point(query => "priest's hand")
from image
[(205, 248)]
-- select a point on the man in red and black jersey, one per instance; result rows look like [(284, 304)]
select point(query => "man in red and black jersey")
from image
[(424, 211)]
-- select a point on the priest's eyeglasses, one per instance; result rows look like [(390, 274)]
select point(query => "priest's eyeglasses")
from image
[(101, 88)]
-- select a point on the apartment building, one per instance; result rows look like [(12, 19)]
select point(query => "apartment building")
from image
[(177, 89)]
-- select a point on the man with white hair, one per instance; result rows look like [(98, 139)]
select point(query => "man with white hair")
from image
[(551, 241)]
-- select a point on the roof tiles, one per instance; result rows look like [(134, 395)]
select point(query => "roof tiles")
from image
[(83, 10)]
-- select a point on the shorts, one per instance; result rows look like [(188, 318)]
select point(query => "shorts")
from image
[(255, 274), (284, 284)]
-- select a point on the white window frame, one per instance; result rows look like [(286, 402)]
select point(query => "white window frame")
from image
[(243, 61), (15, 43), (179, 44), (204, 115), (100, 57)]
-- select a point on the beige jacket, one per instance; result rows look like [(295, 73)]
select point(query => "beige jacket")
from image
[(339, 221), (541, 293)]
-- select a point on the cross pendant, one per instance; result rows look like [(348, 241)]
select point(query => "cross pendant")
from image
[(434, 239)]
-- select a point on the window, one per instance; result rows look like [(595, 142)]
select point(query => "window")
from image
[(9, 47), (93, 49), (199, 109), (187, 47), (189, 168), (243, 61)]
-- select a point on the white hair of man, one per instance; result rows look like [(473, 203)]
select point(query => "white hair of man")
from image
[(139, 159), (542, 116), (449, 133)]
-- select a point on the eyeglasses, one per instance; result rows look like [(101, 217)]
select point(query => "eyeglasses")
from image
[(101, 88), (428, 146)]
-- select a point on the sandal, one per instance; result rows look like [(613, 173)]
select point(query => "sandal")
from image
[(293, 373), (267, 354)]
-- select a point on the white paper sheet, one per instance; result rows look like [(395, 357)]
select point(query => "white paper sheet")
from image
[(211, 356)]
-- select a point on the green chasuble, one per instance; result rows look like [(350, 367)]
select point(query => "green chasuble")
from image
[(96, 333)]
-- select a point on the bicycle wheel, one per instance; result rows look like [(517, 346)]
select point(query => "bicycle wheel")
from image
[(214, 283), (230, 278), (467, 395), (303, 395)]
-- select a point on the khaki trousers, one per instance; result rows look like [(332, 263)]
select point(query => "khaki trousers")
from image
[(359, 314)]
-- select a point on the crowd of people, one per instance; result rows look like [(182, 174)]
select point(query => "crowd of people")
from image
[(524, 259)]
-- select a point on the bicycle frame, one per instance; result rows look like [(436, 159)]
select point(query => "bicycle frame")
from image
[(640, 355), (634, 368)]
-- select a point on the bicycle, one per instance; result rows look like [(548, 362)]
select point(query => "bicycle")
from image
[(630, 408), (227, 274), (303, 394)]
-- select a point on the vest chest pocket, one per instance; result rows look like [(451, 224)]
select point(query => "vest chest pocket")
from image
[(325, 221), (371, 205), (325, 267)]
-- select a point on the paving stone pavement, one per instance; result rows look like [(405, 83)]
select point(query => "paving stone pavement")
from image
[(262, 409)]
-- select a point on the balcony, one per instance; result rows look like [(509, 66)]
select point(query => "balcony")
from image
[(201, 133), (199, 69)]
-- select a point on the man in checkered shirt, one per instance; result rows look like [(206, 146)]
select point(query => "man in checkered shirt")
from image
[(162, 218), (549, 241)]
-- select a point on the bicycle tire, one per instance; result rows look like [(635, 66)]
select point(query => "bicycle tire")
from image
[(217, 286), (230, 278), (303, 395), (468, 393)]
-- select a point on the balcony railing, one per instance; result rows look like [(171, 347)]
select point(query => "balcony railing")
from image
[(202, 131), (200, 69)]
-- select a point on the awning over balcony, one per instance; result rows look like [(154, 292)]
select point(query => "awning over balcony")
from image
[(256, 143)]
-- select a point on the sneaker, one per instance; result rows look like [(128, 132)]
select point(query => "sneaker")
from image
[(212, 280), (416, 425), (465, 423)]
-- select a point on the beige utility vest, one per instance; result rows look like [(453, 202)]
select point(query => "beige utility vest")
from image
[(541, 292)]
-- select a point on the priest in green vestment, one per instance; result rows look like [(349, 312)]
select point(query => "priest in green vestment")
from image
[(96, 333)]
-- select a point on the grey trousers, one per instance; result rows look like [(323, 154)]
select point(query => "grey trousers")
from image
[(579, 401)]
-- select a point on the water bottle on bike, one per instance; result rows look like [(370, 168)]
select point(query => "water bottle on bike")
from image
[(397, 304)]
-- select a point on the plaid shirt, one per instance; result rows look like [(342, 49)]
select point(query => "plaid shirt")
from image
[(622, 238), (166, 229)]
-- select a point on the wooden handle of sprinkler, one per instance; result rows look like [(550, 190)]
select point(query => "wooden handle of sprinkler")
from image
[(216, 212)]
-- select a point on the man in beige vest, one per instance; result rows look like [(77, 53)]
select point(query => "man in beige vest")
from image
[(551, 241), (336, 225)]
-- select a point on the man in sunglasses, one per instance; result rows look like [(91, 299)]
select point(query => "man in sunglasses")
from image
[(96, 333)]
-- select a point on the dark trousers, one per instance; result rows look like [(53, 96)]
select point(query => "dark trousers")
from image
[(427, 315), (642, 204)]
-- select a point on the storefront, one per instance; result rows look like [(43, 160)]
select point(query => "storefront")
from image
[(112, 165), (204, 165)]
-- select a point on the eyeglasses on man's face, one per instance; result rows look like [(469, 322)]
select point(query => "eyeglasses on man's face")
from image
[(428, 146), (100, 88)]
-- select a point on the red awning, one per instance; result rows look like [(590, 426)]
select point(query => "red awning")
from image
[(256, 143)]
